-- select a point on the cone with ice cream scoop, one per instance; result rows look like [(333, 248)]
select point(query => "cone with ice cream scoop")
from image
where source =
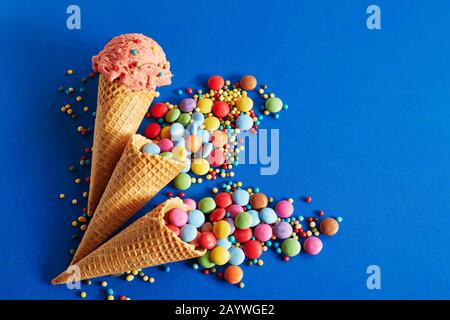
[(137, 178), (146, 242), (131, 67)]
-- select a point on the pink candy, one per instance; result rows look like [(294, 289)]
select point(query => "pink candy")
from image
[(313, 245), (263, 232), (284, 209), (191, 203), (165, 145), (178, 217), (234, 209)]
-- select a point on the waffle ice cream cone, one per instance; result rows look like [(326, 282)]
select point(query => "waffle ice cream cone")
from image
[(137, 178), (145, 243), (119, 113)]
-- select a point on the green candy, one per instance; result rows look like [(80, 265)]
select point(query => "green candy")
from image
[(291, 247), (205, 262), (182, 181), (274, 104), (173, 115), (167, 155), (184, 119), (206, 205), (243, 220)]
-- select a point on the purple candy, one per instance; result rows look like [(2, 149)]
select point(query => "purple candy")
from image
[(187, 105), (283, 230), (231, 223)]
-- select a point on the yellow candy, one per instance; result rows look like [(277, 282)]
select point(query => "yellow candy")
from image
[(245, 104), (205, 105), (219, 255), (211, 123), (221, 229), (179, 153), (165, 132), (200, 166)]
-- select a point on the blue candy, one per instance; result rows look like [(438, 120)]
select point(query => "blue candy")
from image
[(191, 129), (268, 215), (188, 233), (187, 165), (241, 197), (176, 131), (224, 242), (237, 256), (244, 122), (204, 134), (179, 142), (207, 149), (198, 118), (151, 148), (196, 218), (255, 218)]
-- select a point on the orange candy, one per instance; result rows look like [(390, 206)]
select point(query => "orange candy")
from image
[(233, 274), (219, 139), (193, 143), (248, 82)]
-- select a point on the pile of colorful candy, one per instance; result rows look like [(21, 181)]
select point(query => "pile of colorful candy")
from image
[(238, 224), (203, 129)]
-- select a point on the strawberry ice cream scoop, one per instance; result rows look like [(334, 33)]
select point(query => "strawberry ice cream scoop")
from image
[(135, 61)]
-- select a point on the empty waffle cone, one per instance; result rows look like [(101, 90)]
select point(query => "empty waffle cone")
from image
[(137, 178), (145, 243), (120, 111)]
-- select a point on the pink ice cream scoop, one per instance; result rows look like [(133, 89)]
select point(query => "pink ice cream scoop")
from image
[(135, 61)]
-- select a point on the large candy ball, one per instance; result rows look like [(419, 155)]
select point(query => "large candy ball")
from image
[(221, 229), (219, 256), (313, 245), (207, 240), (253, 249), (233, 274), (237, 256), (291, 247)]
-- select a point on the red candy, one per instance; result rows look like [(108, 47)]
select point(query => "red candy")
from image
[(243, 235), (217, 215), (207, 240), (221, 109), (159, 110), (223, 199), (173, 228), (253, 249), (216, 83), (196, 241), (216, 158), (153, 130)]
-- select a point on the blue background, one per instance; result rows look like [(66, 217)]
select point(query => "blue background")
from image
[(367, 135)]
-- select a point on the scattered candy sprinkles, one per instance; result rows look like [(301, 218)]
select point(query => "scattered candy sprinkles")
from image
[(203, 129), (236, 225)]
